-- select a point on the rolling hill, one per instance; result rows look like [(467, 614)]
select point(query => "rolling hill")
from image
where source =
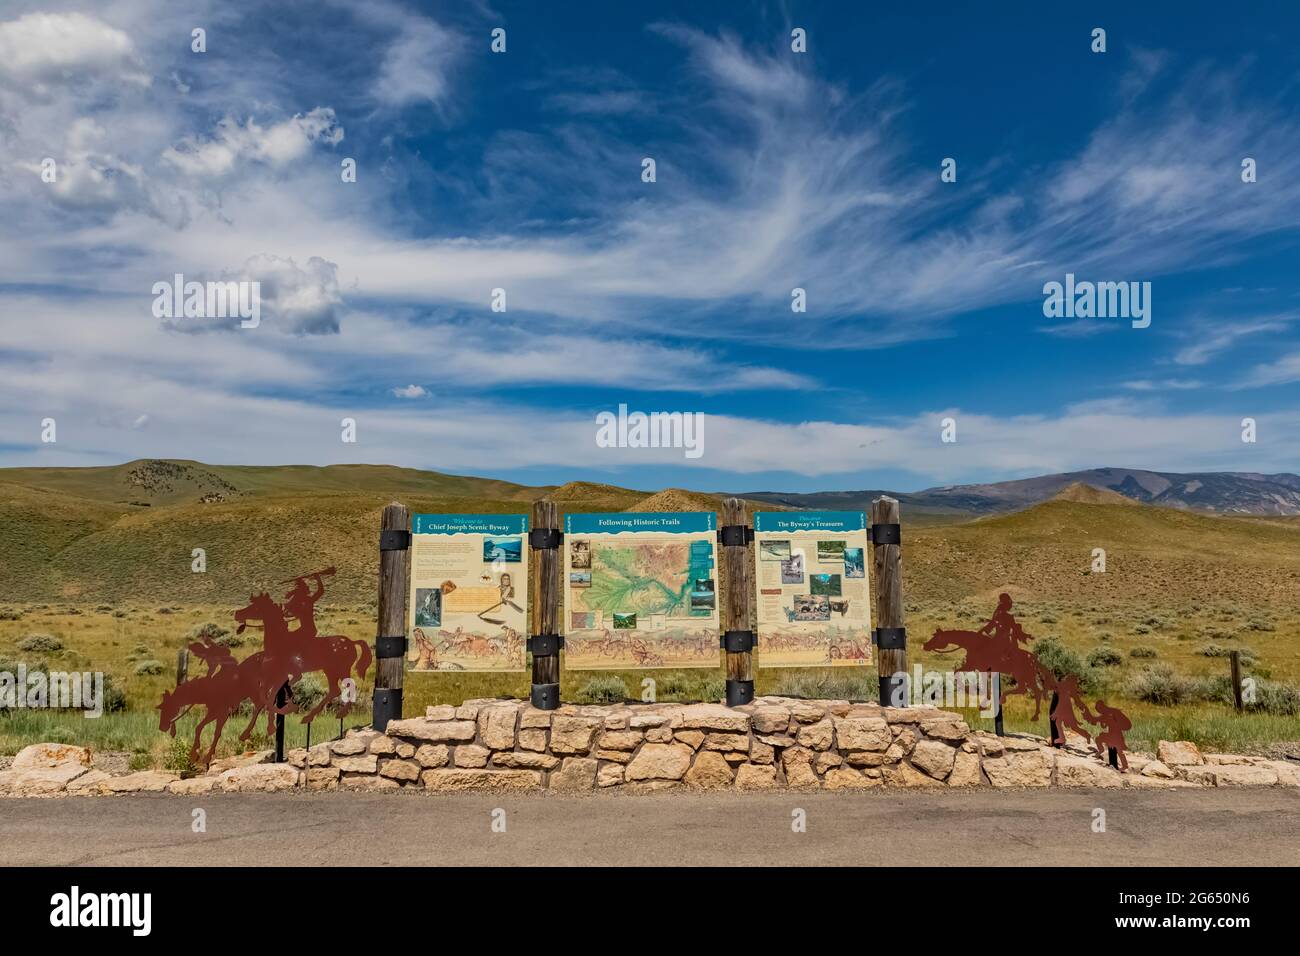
[(72, 535)]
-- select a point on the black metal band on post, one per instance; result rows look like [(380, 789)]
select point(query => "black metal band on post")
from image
[(739, 692), (889, 638), (390, 645), (886, 534), (735, 535), (394, 540), (545, 539), (738, 641), (545, 696), (387, 706), (540, 645), (893, 690)]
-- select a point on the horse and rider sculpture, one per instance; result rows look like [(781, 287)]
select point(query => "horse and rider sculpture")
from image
[(287, 654), (997, 648)]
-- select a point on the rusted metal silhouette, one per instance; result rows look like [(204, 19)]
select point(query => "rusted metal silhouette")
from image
[(996, 648), (286, 655)]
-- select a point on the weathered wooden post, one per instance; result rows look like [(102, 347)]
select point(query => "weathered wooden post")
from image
[(544, 643), (738, 638), (890, 635), (1235, 659), (182, 665), (390, 642)]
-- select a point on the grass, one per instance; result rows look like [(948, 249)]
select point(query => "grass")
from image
[(109, 583)]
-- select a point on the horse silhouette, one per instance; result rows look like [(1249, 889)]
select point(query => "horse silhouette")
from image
[(995, 648), (286, 655)]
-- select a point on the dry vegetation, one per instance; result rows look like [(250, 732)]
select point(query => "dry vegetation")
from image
[(111, 583)]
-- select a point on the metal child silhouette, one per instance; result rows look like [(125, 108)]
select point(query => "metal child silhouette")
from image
[(286, 655), (996, 648)]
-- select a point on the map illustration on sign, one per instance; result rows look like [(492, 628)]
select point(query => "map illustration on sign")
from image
[(814, 602), (469, 593), (640, 590)]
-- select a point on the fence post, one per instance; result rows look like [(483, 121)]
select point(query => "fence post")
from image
[(1235, 659), (390, 642), (545, 642), (182, 666), (890, 634), (738, 639)]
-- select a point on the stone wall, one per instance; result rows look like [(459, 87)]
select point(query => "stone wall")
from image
[(773, 743)]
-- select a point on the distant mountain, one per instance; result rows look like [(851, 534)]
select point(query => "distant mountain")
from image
[(1241, 493)]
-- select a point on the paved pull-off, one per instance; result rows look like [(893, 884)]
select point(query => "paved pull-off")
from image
[(1251, 827)]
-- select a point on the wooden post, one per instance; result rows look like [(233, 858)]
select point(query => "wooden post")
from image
[(182, 665), (546, 640), (737, 636), (390, 642), (1051, 719), (1235, 659), (891, 636)]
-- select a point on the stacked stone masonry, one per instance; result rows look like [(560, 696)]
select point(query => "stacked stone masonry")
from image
[(773, 743)]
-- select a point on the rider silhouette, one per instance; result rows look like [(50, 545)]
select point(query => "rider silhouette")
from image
[(1004, 628), (300, 605)]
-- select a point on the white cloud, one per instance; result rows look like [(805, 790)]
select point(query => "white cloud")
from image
[(417, 65), (410, 391), (276, 145), (46, 49)]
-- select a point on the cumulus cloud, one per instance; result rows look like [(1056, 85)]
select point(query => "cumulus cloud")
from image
[(41, 50), (410, 391)]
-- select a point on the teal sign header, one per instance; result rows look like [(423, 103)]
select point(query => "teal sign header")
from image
[(682, 522), (469, 524), (810, 521)]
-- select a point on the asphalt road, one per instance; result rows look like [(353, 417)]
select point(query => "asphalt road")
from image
[(1252, 827)]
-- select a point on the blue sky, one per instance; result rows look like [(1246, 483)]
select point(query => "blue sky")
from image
[(774, 170)]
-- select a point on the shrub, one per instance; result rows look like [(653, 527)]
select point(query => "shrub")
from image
[(40, 644), (1218, 650), (148, 668), (1259, 624), (1276, 698), (114, 696), (603, 689), (1141, 629), (1160, 685), (827, 684), (1142, 652), (1105, 657), (119, 614), (177, 758), (8, 615), (206, 631), (1063, 662), (308, 691)]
